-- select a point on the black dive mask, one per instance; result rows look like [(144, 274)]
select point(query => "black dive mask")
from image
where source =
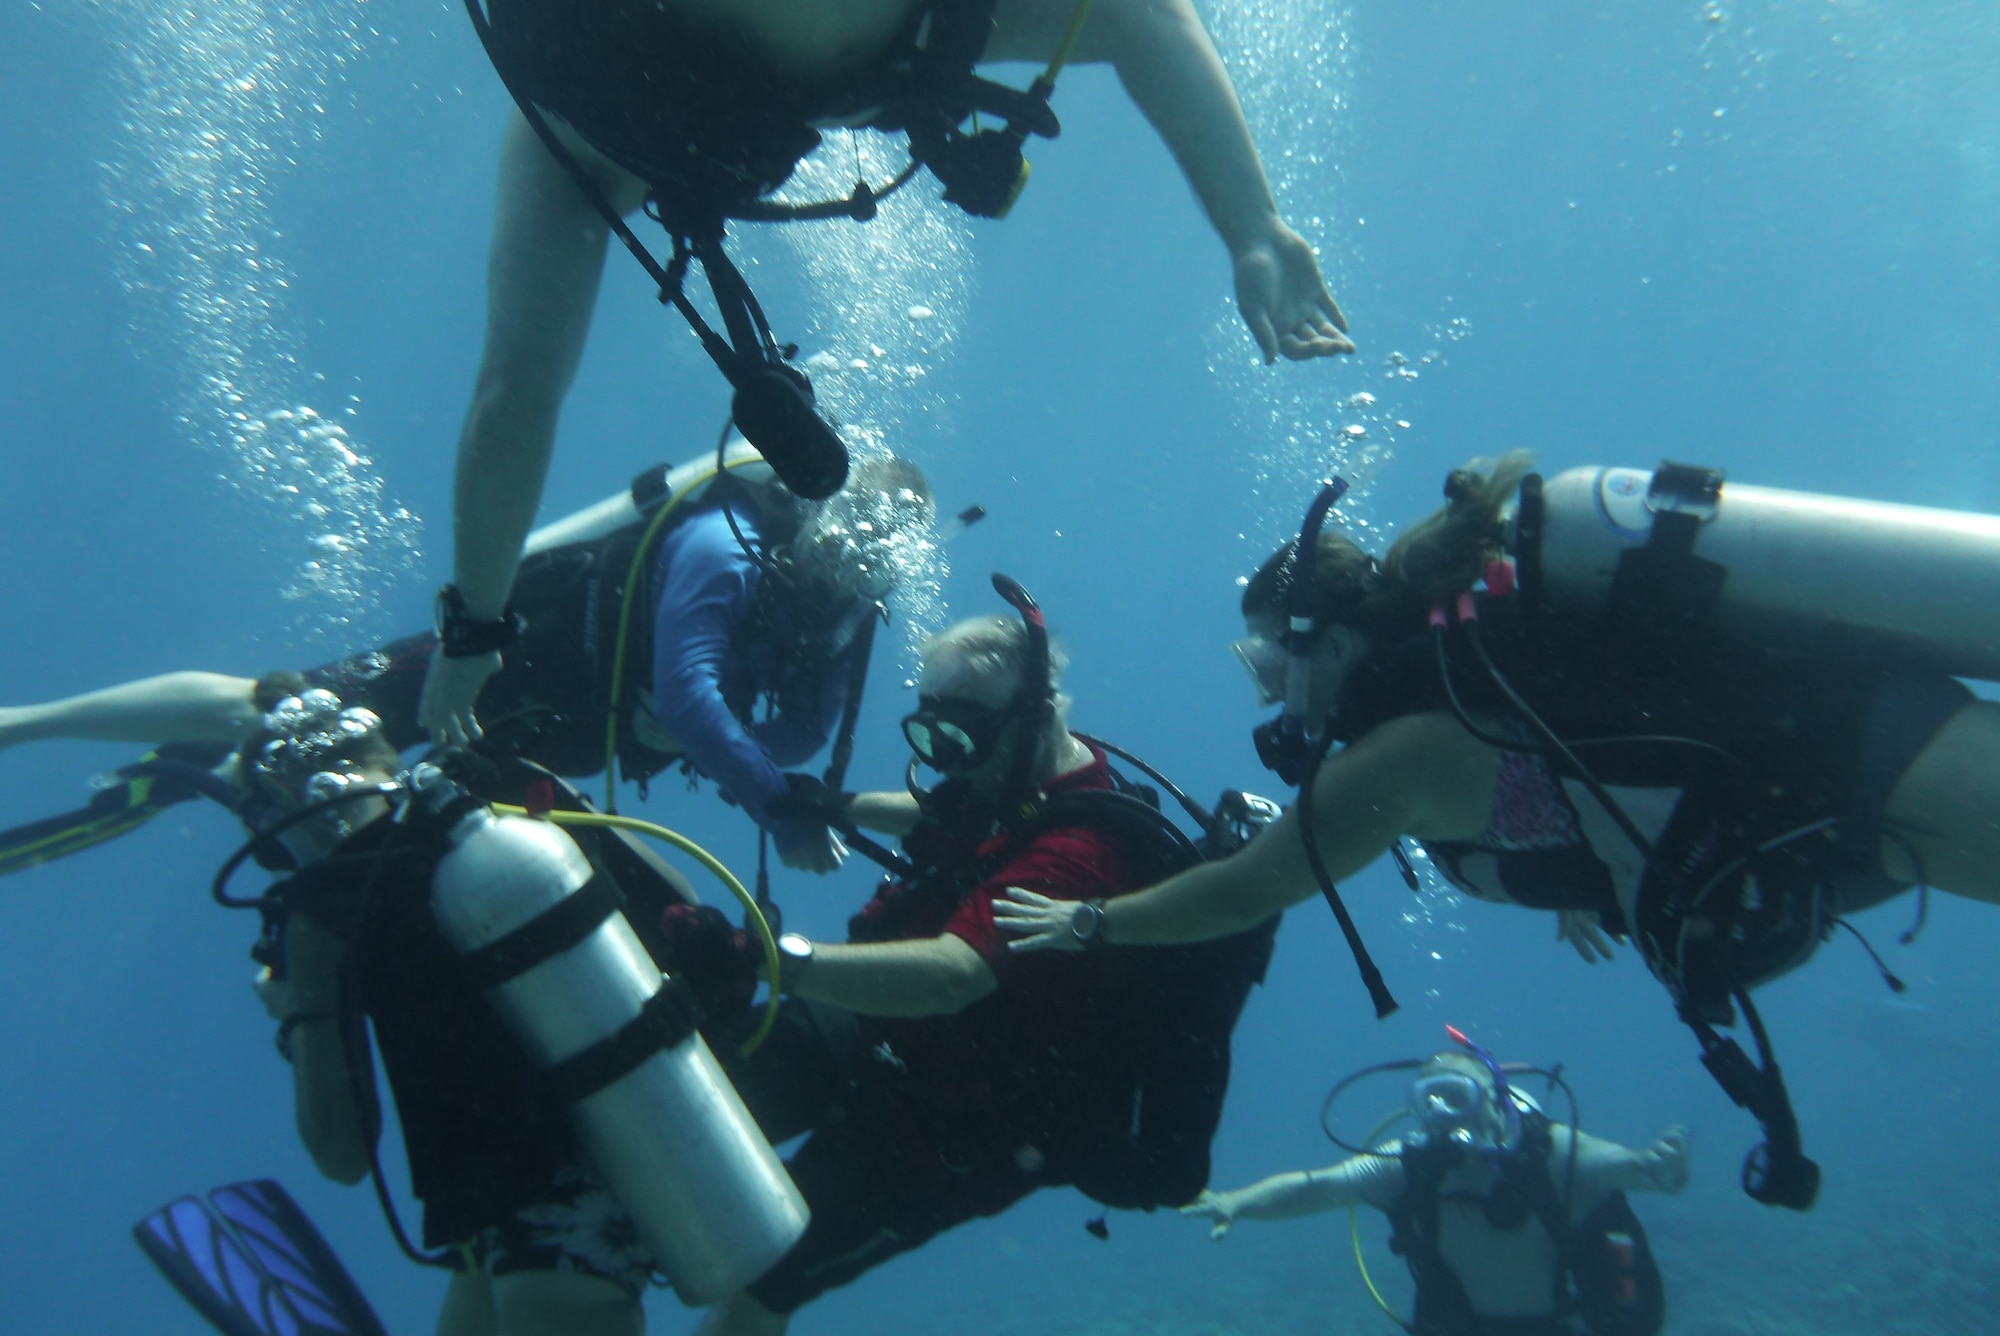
[(953, 735)]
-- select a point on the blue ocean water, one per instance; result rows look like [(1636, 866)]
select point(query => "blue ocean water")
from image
[(243, 283)]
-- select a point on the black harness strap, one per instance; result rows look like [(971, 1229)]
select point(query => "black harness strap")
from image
[(668, 1017), (550, 933), (835, 774)]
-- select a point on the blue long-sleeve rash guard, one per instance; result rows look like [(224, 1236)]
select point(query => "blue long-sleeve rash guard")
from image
[(707, 586)]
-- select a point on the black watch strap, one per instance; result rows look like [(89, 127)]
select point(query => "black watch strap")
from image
[(463, 637)]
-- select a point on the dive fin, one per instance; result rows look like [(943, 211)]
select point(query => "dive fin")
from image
[(250, 1262), (135, 795)]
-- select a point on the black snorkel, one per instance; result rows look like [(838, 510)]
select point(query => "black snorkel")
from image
[(1286, 745)]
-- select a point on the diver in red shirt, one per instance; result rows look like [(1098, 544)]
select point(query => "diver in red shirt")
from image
[(943, 1077)]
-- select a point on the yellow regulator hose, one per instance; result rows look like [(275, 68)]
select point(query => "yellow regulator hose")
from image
[(753, 916)]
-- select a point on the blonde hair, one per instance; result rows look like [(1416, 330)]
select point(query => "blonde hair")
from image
[(988, 649), (1441, 555)]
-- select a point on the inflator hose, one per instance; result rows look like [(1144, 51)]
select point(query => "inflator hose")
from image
[(624, 638), (753, 916)]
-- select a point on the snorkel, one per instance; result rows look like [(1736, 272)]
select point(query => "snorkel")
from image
[(1284, 744), (1035, 703), (1032, 707), (1503, 1094)]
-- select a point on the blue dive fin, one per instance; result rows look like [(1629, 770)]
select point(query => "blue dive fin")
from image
[(253, 1265)]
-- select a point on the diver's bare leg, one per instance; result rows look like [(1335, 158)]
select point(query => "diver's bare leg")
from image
[(541, 281), (1946, 809), (741, 1315), (563, 1303), (468, 1306)]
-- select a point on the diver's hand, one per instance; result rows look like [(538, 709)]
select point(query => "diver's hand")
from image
[(1584, 930), (1284, 300), (1219, 1208), (807, 798), (1037, 922), (450, 689), (806, 847), (1669, 1156)]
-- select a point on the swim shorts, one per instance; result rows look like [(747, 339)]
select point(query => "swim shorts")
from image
[(580, 1229)]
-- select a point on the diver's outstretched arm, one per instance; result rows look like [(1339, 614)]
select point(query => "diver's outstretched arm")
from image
[(929, 976), (1365, 1180), (1420, 775), (1170, 67), (173, 707), (886, 811), (1605, 1166)]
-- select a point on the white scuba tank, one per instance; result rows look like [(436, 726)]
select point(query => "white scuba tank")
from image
[(1818, 572), (670, 1136), (648, 492)]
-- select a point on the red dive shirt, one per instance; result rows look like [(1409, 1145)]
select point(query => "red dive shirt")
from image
[(1035, 1023)]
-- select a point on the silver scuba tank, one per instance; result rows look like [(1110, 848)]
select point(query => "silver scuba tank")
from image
[(652, 1108), (650, 490), (1796, 568)]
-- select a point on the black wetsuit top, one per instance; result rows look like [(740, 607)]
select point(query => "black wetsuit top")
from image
[(694, 112)]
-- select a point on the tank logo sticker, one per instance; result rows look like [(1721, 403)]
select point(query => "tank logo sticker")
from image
[(1621, 502)]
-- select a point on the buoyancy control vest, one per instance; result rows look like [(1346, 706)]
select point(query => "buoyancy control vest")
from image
[(580, 566), (1606, 1281), (1139, 1119), (700, 117), (1737, 744)]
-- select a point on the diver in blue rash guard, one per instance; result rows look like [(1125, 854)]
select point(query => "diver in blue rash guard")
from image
[(729, 631), (750, 655)]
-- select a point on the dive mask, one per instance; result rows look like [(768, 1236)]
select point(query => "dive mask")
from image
[(1265, 660), (1449, 1105), (953, 735)]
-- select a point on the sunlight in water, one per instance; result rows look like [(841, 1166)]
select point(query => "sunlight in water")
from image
[(888, 300), (217, 100)]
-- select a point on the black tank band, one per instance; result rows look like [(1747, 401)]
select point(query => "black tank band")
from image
[(668, 1017), (549, 933)]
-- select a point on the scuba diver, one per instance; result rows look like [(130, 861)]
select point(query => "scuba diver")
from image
[(699, 112), (942, 1078), (1710, 718), (1512, 1224), (568, 1132), (752, 598)]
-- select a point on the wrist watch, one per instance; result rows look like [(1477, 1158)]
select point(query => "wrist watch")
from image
[(1086, 924), (463, 637), (795, 957)]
